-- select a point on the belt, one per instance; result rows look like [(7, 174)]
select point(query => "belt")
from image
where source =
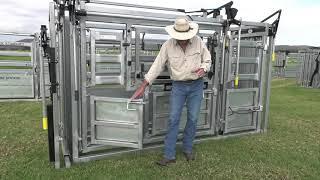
[(189, 81)]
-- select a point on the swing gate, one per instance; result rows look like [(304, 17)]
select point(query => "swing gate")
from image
[(99, 52)]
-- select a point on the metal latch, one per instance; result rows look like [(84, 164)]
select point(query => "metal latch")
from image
[(76, 95), (259, 45), (81, 13), (134, 101), (257, 108), (245, 110)]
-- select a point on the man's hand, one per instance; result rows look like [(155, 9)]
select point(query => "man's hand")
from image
[(200, 72), (139, 92)]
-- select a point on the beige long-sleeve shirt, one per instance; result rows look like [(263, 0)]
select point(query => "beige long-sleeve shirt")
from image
[(181, 65)]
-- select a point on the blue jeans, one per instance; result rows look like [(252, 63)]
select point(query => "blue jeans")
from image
[(190, 93)]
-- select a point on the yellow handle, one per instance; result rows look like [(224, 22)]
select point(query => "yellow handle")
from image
[(236, 81), (273, 56), (44, 123)]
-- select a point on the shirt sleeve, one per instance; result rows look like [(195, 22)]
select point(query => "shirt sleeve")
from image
[(205, 57), (158, 65)]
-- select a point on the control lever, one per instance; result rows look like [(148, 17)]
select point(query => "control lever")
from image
[(236, 81)]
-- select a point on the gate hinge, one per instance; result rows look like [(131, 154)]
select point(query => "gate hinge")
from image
[(125, 44), (81, 13), (80, 145), (76, 95)]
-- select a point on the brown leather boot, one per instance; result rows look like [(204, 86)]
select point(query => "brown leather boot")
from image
[(189, 156), (165, 162)]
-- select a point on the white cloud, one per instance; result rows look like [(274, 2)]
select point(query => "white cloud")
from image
[(298, 24), (23, 16)]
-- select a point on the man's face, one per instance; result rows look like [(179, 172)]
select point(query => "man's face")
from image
[(183, 42)]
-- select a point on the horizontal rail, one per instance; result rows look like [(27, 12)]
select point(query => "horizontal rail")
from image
[(16, 34), (246, 60), (14, 53), (108, 79), (16, 71), (16, 63), (133, 5), (106, 58), (23, 44)]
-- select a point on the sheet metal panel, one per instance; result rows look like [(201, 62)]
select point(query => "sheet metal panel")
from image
[(239, 115), (16, 83), (115, 122)]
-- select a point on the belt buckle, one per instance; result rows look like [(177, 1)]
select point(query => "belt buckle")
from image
[(189, 81)]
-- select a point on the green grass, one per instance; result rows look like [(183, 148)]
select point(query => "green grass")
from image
[(15, 67), (289, 150), (17, 58)]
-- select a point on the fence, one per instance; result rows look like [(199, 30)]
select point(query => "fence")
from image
[(18, 77), (309, 74), (21, 67), (287, 65)]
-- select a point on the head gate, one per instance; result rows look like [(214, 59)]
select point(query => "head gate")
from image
[(101, 52)]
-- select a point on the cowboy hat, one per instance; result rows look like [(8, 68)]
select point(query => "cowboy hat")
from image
[(182, 29)]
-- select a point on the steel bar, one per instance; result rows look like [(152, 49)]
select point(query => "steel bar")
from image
[(16, 34), (132, 5)]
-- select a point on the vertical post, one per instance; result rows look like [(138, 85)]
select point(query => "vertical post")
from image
[(67, 91), (83, 82), (52, 21), (43, 89), (263, 69), (93, 57), (128, 61), (268, 84), (122, 60), (137, 54), (74, 89), (56, 119), (224, 78), (215, 115), (51, 140), (33, 63)]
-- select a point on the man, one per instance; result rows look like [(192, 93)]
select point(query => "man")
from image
[(188, 60)]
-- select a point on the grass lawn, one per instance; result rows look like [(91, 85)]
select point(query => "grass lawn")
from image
[(17, 58), (15, 67), (289, 150)]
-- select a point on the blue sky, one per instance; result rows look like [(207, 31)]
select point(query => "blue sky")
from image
[(298, 26)]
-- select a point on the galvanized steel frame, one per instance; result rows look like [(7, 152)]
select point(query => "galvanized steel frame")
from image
[(77, 99)]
